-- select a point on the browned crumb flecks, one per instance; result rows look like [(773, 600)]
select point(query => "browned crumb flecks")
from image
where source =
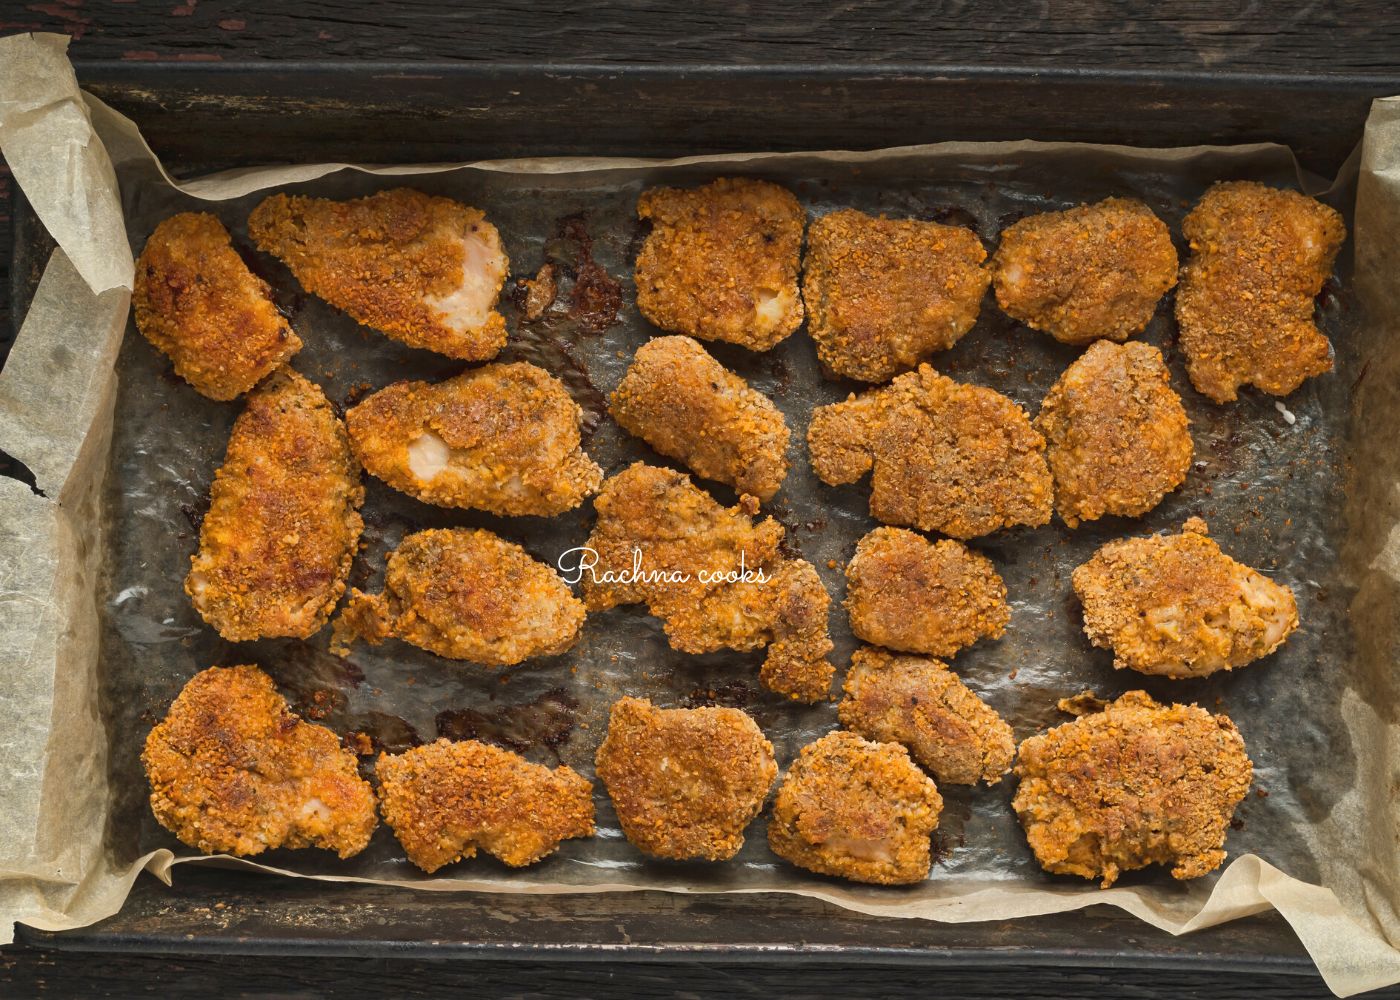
[(1089, 272), (502, 438), (1246, 302), (1178, 606), (883, 294), (1134, 785), (1117, 437), (685, 782), (856, 809), (425, 271), (232, 771), (953, 458), (721, 261), (446, 800), (466, 595), (283, 521)]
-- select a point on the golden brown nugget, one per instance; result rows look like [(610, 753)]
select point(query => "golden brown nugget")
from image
[(714, 576), (906, 593), (1176, 605), (1088, 272), (465, 595), (232, 771), (425, 271), (689, 407), (446, 800), (1136, 784), (921, 704), (199, 305), (1117, 437), (502, 438), (685, 782), (883, 294), (283, 522), (1259, 257), (721, 261), (856, 809), (957, 459)]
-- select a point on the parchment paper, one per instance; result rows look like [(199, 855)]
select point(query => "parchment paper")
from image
[(96, 636)]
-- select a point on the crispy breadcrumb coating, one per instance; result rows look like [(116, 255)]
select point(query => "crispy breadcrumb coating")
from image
[(283, 521), (1176, 605), (689, 407), (677, 530), (425, 271), (1259, 257), (907, 593), (721, 261), (1089, 272), (1117, 438), (685, 782), (856, 809), (232, 771), (502, 438), (1134, 785), (446, 800), (199, 305), (953, 458), (921, 704), (883, 294), (466, 595)]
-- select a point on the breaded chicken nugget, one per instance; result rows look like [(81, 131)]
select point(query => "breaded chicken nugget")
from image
[(445, 800), (721, 261), (465, 595), (1117, 438), (921, 704), (1259, 257), (283, 521), (953, 458), (1176, 605), (715, 578), (425, 271), (199, 305), (856, 809), (1137, 784), (502, 438), (232, 771), (1089, 272), (907, 593), (685, 782), (883, 294), (688, 406)]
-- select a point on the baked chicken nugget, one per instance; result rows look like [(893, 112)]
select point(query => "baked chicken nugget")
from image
[(921, 704), (465, 595), (1089, 272), (714, 577), (883, 294), (199, 305), (856, 809), (685, 782), (1117, 438), (689, 407), (232, 771), (502, 438), (1176, 605), (283, 522), (425, 271), (721, 261), (1259, 257), (1134, 785), (957, 459), (446, 800)]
